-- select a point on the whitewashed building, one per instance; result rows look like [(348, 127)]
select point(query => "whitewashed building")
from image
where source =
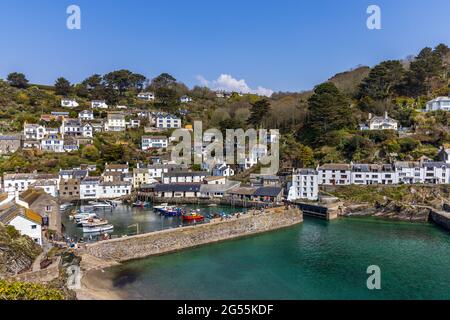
[(19, 182), (34, 131), (440, 103), (89, 188), (380, 123), (154, 142), (408, 172), (146, 96), (255, 155), (166, 121), (184, 177), (26, 221), (53, 143), (69, 103), (115, 122), (305, 185), (185, 99), (49, 186), (335, 174), (99, 104), (86, 115), (112, 190), (223, 170)]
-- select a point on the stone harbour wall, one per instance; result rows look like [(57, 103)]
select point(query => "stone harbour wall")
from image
[(161, 242), (440, 218)]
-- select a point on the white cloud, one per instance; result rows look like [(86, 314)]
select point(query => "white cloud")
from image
[(226, 82)]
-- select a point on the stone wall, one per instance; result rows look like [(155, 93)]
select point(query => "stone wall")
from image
[(166, 241), (440, 218), (44, 275)]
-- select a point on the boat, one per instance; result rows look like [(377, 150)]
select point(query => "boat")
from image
[(140, 204), (116, 202), (103, 206), (93, 223), (213, 205), (98, 229), (161, 207), (65, 206), (192, 216), (81, 216), (170, 211)]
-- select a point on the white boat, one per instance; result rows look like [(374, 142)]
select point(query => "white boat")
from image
[(98, 229), (65, 206), (93, 223), (86, 215), (116, 201), (103, 205), (161, 207)]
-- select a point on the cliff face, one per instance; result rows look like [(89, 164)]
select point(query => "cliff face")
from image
[(17, 252)]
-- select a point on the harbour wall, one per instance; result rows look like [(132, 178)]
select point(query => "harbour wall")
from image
[(440, 218), (166, 241)]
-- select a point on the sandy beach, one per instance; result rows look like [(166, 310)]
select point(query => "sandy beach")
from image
[(98, 285), (97, 282)]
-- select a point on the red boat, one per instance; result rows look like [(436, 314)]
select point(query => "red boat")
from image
[(193, 216)]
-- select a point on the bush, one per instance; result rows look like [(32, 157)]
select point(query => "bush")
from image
[(15, 290)]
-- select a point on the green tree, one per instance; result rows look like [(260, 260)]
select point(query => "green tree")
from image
[(258, 111), (17, 80), (63, 87), (329, 110), (382, 81)]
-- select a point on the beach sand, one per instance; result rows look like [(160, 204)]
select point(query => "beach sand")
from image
[(97, 282), (98, 285)]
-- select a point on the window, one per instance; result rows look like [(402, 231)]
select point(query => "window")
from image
[(48, 208), (33, 227)]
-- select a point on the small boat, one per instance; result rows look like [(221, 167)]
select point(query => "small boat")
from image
[(81, 216), (170, 211), (116, 202), (192, 216), (161, 207), (98, 229), (65, 206), (102, 206), (93, 223), (213, 205), (140, 204)]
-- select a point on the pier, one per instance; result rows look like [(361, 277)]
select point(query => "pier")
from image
[(166, 241)]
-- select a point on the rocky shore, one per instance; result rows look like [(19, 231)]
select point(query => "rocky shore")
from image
[(391, 210)]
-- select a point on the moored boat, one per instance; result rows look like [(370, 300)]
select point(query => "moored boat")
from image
[(140, 204), (193, 216), (98, 229)]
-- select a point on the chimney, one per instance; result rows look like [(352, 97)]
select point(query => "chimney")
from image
[(386, 115), (370, 116)]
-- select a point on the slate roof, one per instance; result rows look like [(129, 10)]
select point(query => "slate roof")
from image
[(178, 187), (268, 192)]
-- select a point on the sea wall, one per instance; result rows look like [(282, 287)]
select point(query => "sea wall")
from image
[(171, 240), (440, 218)]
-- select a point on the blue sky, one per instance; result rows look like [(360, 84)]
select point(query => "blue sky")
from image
[(286, 45)]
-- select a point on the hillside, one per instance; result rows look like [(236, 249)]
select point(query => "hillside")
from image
[(317, 126)]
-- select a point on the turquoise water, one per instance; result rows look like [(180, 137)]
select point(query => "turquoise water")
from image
[(316, 260)]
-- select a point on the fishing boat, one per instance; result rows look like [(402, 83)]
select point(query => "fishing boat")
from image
[(161, 207), (98, 229), (193, 216), (81, 216), (170, 211), (94, 223)]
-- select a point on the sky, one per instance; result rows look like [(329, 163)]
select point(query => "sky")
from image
[(254, 45)]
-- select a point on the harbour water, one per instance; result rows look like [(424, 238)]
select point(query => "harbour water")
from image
[(125, 220), (316, 260)]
